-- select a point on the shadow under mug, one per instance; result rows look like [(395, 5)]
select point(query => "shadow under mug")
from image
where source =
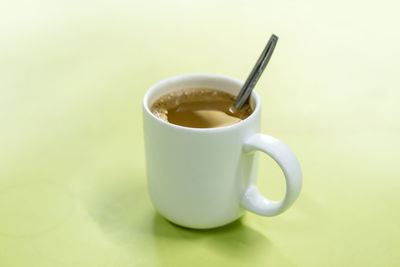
[(206, 177)]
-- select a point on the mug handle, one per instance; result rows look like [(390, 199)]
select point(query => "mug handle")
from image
[(252, 199)]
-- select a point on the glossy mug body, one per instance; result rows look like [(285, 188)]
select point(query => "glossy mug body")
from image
[(205, 178)]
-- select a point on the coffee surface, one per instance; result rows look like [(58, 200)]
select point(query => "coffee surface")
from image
[(199, 108)]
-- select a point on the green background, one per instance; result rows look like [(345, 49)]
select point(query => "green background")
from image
[(72, 170)]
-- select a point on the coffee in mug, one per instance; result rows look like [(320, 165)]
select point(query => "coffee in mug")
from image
[(199, 108)]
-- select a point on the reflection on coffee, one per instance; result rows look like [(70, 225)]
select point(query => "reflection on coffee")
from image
[(199, 108)]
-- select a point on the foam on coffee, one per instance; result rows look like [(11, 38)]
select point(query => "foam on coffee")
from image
[(199, 108)]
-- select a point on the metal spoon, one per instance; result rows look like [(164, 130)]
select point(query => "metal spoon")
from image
[(256, 72)]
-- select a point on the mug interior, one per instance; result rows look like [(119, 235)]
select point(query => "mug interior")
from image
[(210, 81)]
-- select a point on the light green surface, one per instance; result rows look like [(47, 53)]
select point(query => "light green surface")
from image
[(72, 175)]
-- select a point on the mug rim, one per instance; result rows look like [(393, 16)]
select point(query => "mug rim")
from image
[(255, 97)]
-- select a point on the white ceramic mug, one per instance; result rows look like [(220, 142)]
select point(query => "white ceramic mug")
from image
[(205, 178)]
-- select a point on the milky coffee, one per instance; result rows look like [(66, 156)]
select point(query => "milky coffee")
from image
[(199, 108)]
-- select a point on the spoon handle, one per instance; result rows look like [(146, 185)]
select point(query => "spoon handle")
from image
[(256, 72)]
